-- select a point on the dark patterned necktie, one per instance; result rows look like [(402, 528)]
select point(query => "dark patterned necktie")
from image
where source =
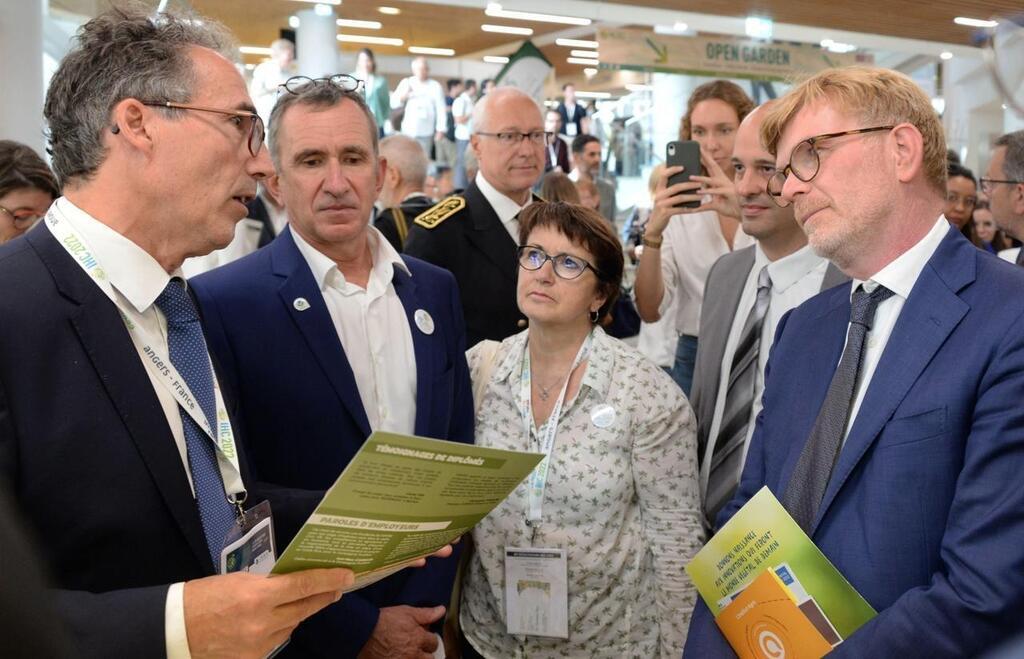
[(727, 450), (187, 351), (806, 487)]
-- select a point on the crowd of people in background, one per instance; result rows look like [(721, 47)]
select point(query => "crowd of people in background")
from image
[(830, 308)]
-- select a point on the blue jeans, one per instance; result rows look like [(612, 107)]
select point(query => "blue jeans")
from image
[(686, 360)]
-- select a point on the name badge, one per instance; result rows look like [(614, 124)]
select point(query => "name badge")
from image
[(536, 592), (249, 545)]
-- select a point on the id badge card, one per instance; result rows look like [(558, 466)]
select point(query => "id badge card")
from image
[(536, 592), (249, 545), (570, 129)]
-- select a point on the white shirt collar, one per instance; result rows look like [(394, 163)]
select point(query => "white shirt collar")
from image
[(902, 273), (789, 269), (385, 259), (504, 207), (132, 271)]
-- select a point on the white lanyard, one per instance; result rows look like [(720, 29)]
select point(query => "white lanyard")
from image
[(539, 477), (157, 363)]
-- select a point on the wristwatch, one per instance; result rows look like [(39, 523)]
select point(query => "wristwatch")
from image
[(653, 243)]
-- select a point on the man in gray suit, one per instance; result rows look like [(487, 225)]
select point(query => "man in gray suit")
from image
[(746, 294)]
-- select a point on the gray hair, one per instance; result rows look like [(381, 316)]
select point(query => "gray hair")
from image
[(321, 95), (122, 53), (482, 107), (407, 156), (1013, 163)]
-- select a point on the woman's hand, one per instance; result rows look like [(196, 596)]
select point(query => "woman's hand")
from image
[(668, 201), (721, 189)]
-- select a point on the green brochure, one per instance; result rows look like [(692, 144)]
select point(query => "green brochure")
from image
[(761, 537), (401, 498)]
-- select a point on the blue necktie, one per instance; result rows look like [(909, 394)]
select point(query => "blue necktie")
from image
[(187, 349), (806, 487)]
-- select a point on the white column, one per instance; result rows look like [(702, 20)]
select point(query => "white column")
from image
[(669, 95), (316, 42), (21, 63)]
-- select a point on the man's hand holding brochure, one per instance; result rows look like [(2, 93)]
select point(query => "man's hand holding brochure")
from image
[(402, 498)]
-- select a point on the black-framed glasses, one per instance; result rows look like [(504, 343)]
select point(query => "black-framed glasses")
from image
[(343, 81), (987, 183), (257, 132), (512, 138), (22, 217), (566, 266), (805, 162)]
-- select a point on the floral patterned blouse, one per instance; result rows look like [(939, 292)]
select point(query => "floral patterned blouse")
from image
[(623, 501)]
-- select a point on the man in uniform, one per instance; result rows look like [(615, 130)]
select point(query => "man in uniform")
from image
[(474, 235), (402, 196)]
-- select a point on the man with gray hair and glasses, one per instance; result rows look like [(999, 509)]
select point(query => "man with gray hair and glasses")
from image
[(330, 334), (117, 432), (1003, 184), (474, 235)]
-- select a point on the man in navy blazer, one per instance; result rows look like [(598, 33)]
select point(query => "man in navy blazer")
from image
[(919, 507), (328, 334), (94, 447)]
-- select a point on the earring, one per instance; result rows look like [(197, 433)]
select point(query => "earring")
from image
[(594, 315), (115, 129)]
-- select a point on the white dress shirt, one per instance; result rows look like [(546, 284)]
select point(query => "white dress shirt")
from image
[(693, 242), (138, 280), (506, 209), (795, 278), (899, 277), (373, 329), (463, 107), (425, 110)]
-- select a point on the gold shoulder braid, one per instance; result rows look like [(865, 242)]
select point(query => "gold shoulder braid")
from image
[(400, 224), (440, 212)]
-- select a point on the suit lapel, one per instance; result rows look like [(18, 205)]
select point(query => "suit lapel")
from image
[(720, 308), (489, 235), (117, 365), (315, 324), (428, 354), (930, 314), (821, 345)]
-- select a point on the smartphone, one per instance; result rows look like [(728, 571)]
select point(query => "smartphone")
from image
[(687, 154)]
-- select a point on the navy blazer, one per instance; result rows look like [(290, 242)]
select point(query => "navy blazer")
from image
[(924, 514), (88, 454), (301, 412)]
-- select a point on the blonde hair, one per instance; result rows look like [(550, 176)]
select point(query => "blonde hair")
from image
[(874, 95), (652, 180)]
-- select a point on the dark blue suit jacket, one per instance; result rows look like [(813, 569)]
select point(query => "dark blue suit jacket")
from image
[(301, 413), (86, 450), (924, 513)]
